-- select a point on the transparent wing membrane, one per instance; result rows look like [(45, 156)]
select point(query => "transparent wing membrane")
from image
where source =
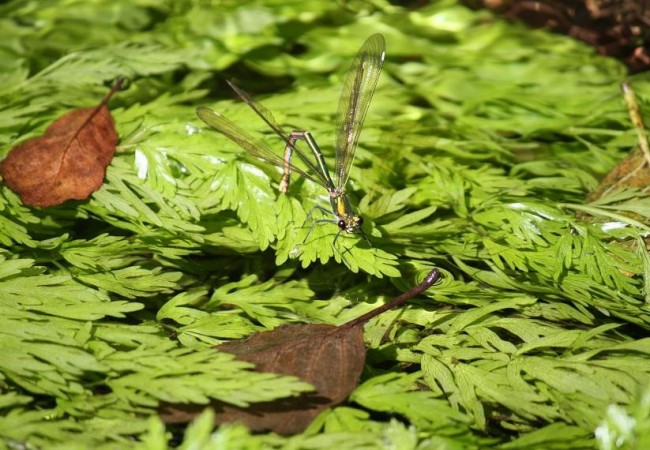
[(358, 89), (247, 142)]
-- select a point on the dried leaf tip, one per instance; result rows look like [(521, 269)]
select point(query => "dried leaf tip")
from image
[(425, 284), (117, 85)]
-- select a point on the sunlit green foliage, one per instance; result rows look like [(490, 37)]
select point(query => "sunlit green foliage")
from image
[(480, 146)]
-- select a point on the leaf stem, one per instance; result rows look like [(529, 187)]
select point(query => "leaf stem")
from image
[(428, 281)]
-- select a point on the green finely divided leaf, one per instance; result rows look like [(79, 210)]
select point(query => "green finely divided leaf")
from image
[(144, 375), (312, 243), (126, 202), (241, 188), (472, 365), (476, 156), (26, 287), (265, 302), (185, 375), (397, 393), (14, 220)]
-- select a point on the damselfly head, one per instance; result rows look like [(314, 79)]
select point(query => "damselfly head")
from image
[(350, 223)]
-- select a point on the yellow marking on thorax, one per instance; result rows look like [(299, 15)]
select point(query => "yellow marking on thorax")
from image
[(341, 209)]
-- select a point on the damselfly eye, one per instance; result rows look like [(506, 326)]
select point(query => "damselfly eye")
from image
[(341, 224)]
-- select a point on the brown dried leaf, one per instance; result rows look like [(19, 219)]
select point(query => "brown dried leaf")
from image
[(328, 357), (68, 161), (634, 170)]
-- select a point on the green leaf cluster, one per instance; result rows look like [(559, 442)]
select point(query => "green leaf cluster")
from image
[(479, 149)]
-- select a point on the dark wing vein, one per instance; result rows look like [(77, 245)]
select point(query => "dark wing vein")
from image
[(240, 137), (267, 116), (359, 86)]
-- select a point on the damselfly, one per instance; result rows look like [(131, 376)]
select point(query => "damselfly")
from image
[(358, 88)]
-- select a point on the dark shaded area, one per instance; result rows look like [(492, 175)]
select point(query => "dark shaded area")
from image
[(285, 416), (616, 28)]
